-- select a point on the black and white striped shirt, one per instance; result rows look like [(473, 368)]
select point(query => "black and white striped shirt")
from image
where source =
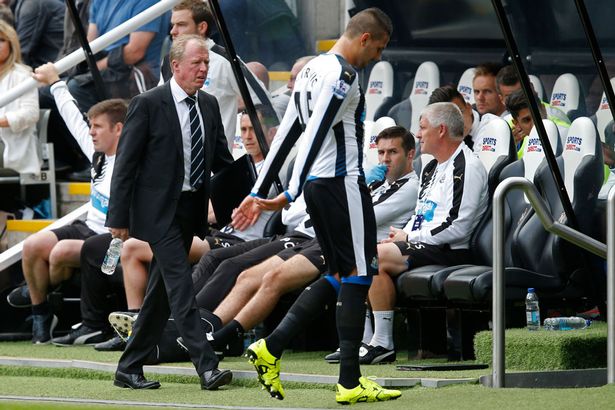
[(326, 106)]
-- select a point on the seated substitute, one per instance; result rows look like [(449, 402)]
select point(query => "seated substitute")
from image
[(452, 199), (49, 257)]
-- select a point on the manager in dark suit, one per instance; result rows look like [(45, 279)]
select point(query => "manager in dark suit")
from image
[(172, 139)]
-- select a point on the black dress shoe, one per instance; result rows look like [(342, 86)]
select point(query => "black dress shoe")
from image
[(212, 379), (134, 381), (115, 344)]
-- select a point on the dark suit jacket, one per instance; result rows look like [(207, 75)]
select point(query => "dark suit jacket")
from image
[(149, 167)]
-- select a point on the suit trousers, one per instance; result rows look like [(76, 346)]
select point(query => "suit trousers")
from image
[(170, 291)]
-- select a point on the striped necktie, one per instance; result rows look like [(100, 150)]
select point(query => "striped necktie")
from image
[(197, 164)]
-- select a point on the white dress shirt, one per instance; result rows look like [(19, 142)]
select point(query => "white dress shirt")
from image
[(183, 114)]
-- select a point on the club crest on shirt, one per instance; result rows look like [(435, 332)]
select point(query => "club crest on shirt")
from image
[(340, 89)]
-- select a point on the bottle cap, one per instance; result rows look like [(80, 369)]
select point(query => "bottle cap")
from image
[(530, 290)]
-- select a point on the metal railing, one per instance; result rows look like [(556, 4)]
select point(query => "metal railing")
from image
[(13, 254), (96, 45), (556, 228)]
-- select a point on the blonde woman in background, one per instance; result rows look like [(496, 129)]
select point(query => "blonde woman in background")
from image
[(19, 117)]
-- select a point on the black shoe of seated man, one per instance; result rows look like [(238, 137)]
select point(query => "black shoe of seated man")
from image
[(115, 344), (333, 357), (376, 355), (134, 381), (212, 379), (19, 297), (82, 335)]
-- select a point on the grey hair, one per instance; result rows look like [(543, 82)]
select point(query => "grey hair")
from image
[(178, 47), (445, 113)]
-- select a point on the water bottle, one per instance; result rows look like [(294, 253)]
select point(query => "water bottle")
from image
[(566, 323), (532, 310), (112, 257)]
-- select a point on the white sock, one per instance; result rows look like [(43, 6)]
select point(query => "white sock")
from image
[(383, 329), (368, 331)]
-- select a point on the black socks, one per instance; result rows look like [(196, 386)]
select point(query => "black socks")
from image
[(308, 306), (350, 319)]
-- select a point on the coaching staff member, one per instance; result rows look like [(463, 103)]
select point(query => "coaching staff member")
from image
[(172, 140)]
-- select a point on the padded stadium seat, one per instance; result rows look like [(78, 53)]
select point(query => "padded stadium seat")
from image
[(566, 96), (379, 89), (370, 150), (533, 153), (603, 116), (464, 86), (368, 144), (517, 209), (542, 260), (495, 148), (538, 87), (407, 112), (274, 225)]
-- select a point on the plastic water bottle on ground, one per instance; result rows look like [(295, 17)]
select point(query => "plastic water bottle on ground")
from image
[(112, 257), (532, 310), (566, 323)]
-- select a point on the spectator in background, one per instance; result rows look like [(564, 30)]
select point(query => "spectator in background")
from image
[(17, 118), (6, 14), (129, 66), (39, 25)]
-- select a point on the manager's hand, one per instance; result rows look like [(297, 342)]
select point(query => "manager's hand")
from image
[(121, 233)]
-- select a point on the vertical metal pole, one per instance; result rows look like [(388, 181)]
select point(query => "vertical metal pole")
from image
[(529, 94), (597, 54), (610, 283), (241, 82), (498, 307), (99, 86)]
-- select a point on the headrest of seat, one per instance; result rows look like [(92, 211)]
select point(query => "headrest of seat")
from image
[(493, 142), (464, 86), (603, 114), (369, 143), (582, 141), (533, 154), (379, 87), (537, 84), (566, 93), (371, 150), (426, 80)]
